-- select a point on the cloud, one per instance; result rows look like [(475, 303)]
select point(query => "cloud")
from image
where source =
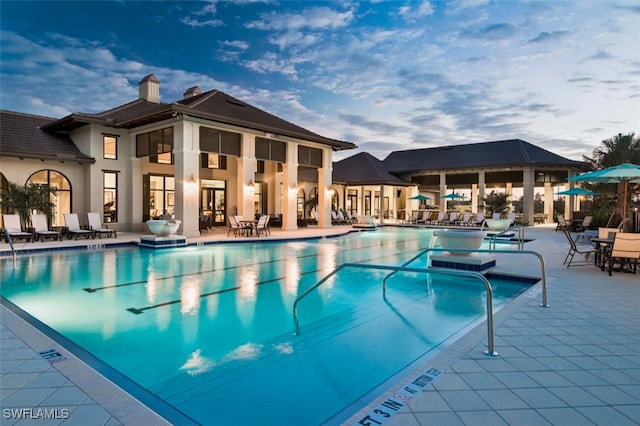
[(552, 36), (192, 22), (410, 13), (458, 6), (499, 31), (314, 18)]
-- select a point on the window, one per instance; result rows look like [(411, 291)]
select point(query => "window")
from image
[(300, 203), (213, 161), (267, 149), (308, 156), (159, 197), (110, 147), (219, 141), (110, 196), (158, 145), (62, 199)]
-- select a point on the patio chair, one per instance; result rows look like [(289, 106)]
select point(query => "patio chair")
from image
[(586, 223), (96, 225), (73, 227), (624, 251), (262, 227), (574, 249), (41, 229), (496, 216), (13, 229), (234, 226), (479, 220), (426, 218), (442, 216), (562, 223)]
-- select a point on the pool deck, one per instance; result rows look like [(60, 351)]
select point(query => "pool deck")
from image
[(576, 361)]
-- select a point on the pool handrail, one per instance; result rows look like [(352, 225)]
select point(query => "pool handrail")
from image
[(543, 277), (490, 345), (13, 250), (493, 238)]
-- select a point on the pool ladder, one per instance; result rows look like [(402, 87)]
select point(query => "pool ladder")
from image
[(452, 272), (13, 250)]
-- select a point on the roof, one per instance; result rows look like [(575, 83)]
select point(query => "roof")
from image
[(212, 105), (21, 136), (506, 153), (364, 169)]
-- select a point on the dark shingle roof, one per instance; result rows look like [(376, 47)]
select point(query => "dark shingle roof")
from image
[(364, 169), (507, 153), (213, 105), (20, 136)]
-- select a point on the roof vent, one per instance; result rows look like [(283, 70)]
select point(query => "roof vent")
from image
[(149, 89), (191, 92)]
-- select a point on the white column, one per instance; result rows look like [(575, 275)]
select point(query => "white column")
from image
[(246, 173), (135, 192), (509, 191), (528, 192), (186, 152), (482, 186), (474, 198), (443, 191), (325, 179), (548, 200), (290, 181)]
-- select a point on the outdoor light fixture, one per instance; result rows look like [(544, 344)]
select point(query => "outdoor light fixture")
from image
[(192, 180)]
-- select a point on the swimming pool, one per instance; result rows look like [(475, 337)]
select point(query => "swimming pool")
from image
[(209, 330)]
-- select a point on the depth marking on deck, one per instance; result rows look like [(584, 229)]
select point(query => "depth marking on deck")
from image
[(390, 406), (52, 356)]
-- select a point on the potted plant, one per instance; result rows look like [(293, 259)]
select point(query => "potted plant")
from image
[(26, 199), (497, 202)]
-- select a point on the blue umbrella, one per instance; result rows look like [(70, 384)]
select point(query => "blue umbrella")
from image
[(578, 191), (453, 196), (622, 173), (420, 197)]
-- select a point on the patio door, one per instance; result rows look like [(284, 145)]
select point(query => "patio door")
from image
[(213, 195)]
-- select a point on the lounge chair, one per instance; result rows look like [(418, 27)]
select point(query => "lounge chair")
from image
[(73, 227), (426, 217), (479, 220), (95, 225), (13, 229), (465, 220), (574, 249), (451, 220), (625, 250), (415, 215), (586, 223), (442, 216), (41, 229)]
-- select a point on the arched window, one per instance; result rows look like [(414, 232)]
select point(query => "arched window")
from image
[(62, 199)]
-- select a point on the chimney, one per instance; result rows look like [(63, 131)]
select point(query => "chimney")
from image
[(149, 89), (191, 92)]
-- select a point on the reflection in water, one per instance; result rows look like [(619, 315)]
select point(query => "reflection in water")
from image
[(190, 296), (292, 275)]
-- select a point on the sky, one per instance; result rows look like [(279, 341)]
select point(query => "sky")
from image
[(384, 75)]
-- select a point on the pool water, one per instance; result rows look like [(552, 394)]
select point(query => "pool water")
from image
[(209, 330)]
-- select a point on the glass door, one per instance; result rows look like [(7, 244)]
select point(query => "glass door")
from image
[(213, 196)]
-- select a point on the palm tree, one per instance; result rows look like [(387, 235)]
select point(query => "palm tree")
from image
[(26, 199), (613, 151)]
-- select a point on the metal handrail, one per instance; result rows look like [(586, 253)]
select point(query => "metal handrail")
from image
[(13, 250), (535, 253), (490, 346), (494, 237)]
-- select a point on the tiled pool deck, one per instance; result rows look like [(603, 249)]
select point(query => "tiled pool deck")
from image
[(575, 362)]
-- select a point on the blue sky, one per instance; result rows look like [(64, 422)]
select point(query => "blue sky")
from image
[(386, 76)]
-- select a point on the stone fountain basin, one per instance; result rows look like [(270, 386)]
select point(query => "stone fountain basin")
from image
[(163, 227), (460, 239), (498, 224)]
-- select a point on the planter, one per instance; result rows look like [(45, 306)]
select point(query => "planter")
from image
[(498, 224), (459, 239), (163, 228)]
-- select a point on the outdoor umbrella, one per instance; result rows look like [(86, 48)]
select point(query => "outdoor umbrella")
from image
[(622, 173), (420, 197), (453, 196), (578, 191)]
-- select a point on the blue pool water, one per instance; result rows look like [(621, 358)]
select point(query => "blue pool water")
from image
[(209, 330)]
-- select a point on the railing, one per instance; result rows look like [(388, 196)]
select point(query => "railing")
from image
[(543, 277), (13, 250), (490, 346), (493, 238)]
